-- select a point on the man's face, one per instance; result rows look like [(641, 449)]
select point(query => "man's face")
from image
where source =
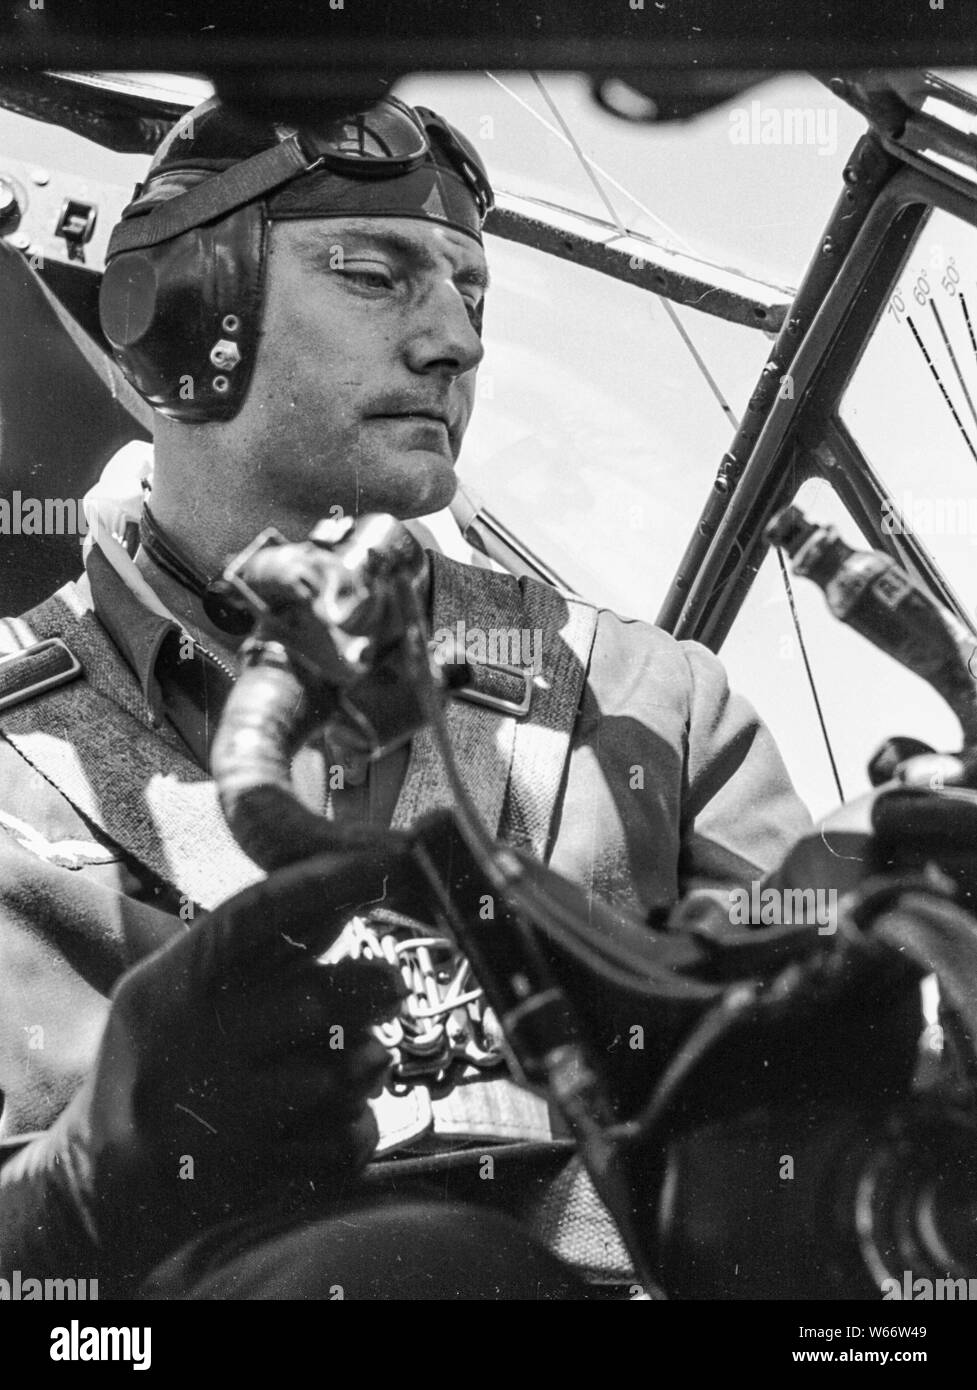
[(365, 376)]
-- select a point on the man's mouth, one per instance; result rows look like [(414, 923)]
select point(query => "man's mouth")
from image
[(414, 415)]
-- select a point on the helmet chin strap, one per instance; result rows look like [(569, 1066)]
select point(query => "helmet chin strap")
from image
[(223, 607)]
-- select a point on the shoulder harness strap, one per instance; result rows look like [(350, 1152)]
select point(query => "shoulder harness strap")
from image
[(37, 668), (530, 649), (511, 734)]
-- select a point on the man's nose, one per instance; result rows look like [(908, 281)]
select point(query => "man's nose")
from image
[(442, 335)]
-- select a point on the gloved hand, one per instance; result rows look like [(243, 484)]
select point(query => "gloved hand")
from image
[(233, 1071)]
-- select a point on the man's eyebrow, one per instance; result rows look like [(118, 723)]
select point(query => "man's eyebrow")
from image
[(321, 245), (475, 275)]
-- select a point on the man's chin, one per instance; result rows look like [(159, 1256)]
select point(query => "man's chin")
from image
[(426, 484)]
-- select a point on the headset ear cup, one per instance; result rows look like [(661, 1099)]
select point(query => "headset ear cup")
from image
[(127, 299), (184, 317)]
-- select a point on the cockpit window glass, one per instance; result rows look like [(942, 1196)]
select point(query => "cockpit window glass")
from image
[(865, 697), (912, 401)]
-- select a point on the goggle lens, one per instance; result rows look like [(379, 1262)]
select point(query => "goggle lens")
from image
[(387, 137)]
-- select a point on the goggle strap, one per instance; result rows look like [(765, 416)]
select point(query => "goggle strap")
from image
[(460, 159), (216, 197)]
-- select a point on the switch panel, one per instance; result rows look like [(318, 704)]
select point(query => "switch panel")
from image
[(76, 223)]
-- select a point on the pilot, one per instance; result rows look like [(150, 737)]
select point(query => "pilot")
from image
[(197, 1102)]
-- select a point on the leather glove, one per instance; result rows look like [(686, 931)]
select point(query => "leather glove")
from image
[(233, 1071)]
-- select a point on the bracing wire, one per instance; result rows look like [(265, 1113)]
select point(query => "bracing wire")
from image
[(676, 237), (595, 174), (795, 618), (592, 174)]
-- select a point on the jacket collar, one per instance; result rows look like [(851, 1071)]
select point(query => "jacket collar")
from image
[(137, 632), (182, 685)]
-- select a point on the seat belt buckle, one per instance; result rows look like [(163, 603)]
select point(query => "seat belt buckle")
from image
[(517, 704), (36, 669)]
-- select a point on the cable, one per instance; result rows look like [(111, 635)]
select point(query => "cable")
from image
[(785, 575)]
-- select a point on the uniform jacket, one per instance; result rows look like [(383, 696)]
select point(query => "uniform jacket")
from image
[(110, 843)]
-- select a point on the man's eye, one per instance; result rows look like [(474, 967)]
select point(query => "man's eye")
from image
[(370, 279)]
